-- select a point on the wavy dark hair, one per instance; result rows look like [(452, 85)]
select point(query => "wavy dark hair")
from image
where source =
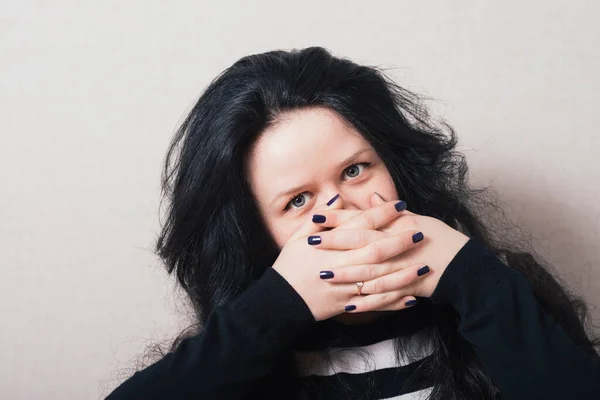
[(214, 240)]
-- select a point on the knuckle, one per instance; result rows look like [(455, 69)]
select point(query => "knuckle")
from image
[(361, 238), (378, 286), (375, 253), (371, 272)]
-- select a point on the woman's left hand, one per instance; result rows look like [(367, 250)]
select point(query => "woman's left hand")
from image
[(440, 244)]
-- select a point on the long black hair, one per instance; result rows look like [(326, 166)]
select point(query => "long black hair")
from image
[(214, 240)]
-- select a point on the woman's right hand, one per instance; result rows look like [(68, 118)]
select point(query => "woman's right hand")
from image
[(300, 263)]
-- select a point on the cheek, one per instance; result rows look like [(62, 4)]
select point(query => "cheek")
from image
[(383, 184), (282, 231)]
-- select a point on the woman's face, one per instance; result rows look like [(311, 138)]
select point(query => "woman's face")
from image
[(304, 160)]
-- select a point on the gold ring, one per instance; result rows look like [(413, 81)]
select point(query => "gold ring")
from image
[(359, 285)]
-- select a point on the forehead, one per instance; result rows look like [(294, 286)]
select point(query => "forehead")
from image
[(301, 144), (302, 134)]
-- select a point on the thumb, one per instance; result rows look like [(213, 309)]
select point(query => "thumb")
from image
[(376, 199)]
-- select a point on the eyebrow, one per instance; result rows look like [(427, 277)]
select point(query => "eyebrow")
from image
[(346, 162)]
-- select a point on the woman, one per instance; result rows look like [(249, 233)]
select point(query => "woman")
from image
[(288, 228)]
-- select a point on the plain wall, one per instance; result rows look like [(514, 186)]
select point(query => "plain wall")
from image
[(92, 92)]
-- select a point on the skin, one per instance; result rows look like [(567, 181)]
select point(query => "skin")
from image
[(299, 164)]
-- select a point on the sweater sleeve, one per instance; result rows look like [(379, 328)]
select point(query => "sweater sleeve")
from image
[(525, 352), (237, 349)]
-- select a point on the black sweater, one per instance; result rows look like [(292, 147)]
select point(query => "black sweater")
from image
[(242, 347)]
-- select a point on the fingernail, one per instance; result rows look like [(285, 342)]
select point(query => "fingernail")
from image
[(417, 237), (330, 202), (312, 240), (400, 206), (349, 308), (410, 303), (317, 218), (326, 274), (423, 270)]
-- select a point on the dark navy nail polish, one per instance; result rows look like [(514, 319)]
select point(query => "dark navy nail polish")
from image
[(318, 218), (410, 303), (312, 240), (400, 206), (417, 237), (349, 308), (330, 202), (326, 274), (423, 270)]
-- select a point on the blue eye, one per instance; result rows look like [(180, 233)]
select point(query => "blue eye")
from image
[(355, 169), (297, 201)]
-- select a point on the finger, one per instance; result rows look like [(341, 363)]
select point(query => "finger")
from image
[(345, 239), (332, 218), (382, 249), (396, 280), (403, 303), (376, 199), (376, 217), (380, 302), (309, 227), (367, 272)]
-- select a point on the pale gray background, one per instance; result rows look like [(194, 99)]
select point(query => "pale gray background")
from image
[(92, 91)]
